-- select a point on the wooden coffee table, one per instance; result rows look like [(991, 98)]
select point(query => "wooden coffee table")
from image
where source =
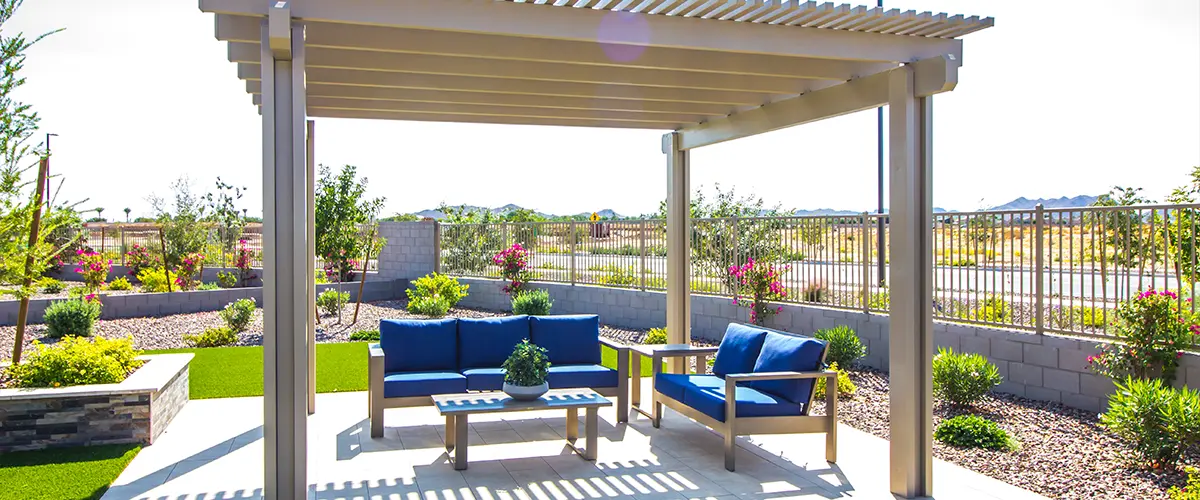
[(457, 407)]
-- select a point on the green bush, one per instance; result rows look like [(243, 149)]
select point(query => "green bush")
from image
[(50, 285), (154, 281), (972, 431), (75, 317), (434, 307), (438, 286), (615, 275), (320, 278), (1158, 420), (844, 347), (815, 291), (208, 286), (994, 310), (1189, 492), (962, 378), (227, 279), (331, 301), (532, 302), (212, 337), (120, 284), (527, 365), (76, 361), (846, 387), (365, 336), (656, 336), (238, 314)]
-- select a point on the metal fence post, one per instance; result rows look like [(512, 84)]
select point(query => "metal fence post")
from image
[(572, 238), (437, 247), (866, 264), (642, 253), (734, 238), (123, 250), (1038, 260)]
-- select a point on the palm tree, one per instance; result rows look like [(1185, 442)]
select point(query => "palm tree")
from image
[(127, 210), (99, 211)]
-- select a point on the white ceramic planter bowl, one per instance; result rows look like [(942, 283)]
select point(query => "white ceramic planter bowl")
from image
[(526, 392)]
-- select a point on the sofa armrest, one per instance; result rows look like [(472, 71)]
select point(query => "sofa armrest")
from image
[(614, 345), (375, 350), (752, 377)]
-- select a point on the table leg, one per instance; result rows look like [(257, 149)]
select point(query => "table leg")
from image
[(592, 428), (635, 367), (572, 425), (460, 442), (450, 430)]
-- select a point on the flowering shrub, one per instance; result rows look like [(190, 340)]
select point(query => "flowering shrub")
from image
[(93, 267), (755, 284), (513, 262), (339, 266), (188, 272), (242, 263), (1152, 333), (139, 257)]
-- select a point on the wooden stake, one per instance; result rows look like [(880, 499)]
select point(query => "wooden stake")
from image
[(35, 227), (363, 279)]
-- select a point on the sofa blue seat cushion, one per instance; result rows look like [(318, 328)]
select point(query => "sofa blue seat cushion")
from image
[(579, 376), (702, 394), (411, 384), (419, 345), (673, 385), (738, 350), (568, 339), (784, 353), (484, 379), (487, 342)]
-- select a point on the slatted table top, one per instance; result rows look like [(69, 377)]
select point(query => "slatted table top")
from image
[(499, 402)]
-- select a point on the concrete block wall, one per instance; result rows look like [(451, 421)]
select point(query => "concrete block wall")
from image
[(1040, 367), (409, 252)]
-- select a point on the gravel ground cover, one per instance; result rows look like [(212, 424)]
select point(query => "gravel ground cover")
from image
[(1063, 453)]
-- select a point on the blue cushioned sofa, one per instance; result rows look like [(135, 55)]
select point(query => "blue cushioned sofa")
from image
[(415, 359), (771, 374)]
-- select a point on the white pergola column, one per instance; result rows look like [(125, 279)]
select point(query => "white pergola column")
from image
[(311, 320), (911, 323), (679, 223), (285, 365)]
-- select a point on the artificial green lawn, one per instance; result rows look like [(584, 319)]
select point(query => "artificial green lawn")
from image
[(231, 372), (82, 473)]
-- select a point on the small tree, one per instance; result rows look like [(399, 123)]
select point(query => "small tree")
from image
[(225, 214), (469, 242), (182, 223), (341, 210)]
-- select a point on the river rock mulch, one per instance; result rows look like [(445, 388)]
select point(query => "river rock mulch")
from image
[(1063, 453)]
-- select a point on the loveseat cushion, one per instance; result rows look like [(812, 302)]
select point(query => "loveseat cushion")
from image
[(409, 384), (568, 339), (487, 342), (484, 379), (673, 385), (578, 376), (738, 350), (783, 353), (419, 345), (750, 402)]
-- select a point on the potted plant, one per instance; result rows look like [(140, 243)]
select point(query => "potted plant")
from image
[(525, 372)]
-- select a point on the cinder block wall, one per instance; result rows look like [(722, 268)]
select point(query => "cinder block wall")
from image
[(409, 252), (1041, 367)]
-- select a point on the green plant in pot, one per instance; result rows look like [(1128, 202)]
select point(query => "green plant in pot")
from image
[(525, 372)]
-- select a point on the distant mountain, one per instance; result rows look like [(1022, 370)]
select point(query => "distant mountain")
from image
[(511, 207), (1024, 203), (825, 212)]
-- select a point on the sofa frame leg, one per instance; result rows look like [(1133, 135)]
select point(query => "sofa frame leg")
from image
[(730, 450), (376, 407), (658, 411)]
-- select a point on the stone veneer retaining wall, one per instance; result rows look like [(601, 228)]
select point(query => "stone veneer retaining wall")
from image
[(1041, 367), (136, 410), (136, 305)]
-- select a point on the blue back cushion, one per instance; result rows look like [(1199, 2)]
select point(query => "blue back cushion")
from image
[(487, 342), (789, 353), (419, 345), (570, 339), (739, 349)]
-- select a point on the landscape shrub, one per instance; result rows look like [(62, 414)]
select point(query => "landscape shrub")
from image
[(365, 336), (331, 301), (513, 262), (227, 279), (755, 284), (212, 337), (1159, 421), (138, 258), (615, 275), (656, 336), (962, 378), (532, 302), (154, 280), (440, 286), (963, 262), (319, 277), (238, 314), (846, 387), (844, 347), (1151, 334), (208, 286), (973, 431), (434, 307), (190, 268), (120, 284), (1191, 491), (815, 291), (50, 285), (93, 268), (76, 361), (245, 273), (993, 310), (73, 317), (880, 301)]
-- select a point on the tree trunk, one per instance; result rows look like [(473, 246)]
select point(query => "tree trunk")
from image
[(34, 227)]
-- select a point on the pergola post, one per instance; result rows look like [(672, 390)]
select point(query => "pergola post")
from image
[(679, 222), (285, 369), (311, 230), (911, 323)]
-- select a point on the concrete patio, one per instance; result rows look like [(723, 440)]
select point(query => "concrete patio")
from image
[(214, 450)]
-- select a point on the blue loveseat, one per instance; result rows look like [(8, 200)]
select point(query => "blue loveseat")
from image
[(415, 359), (771, 374)]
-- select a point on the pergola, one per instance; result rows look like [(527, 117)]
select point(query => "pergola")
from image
[(704, 71)]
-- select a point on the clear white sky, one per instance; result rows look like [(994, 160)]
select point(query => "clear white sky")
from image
[(1059, 98)]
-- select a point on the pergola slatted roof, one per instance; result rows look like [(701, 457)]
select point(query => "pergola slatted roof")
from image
[(655, 64)]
